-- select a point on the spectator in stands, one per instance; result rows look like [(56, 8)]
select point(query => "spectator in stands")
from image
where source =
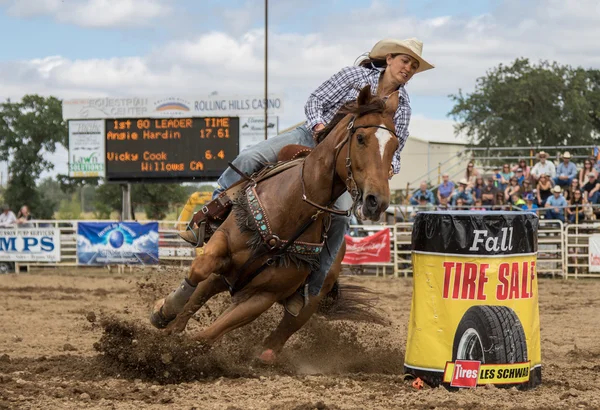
[(517, 200), (7, 217), (460, 204), (565, 171), (478, 205), (596, 162), (501, 202), (478, 188), (463, 193), (524, 167), (575, 209), (592, 190), (543, 167), (471, 174), (529, 204), (526, 189), (23, 217), (513, 189), (584, 173), (496, 176), (423, 205), (568, 193), (544, 189), (505, 175), (488, 196), (556, 205), (443, 206), (445, 189), (422, 192), (520, 175)]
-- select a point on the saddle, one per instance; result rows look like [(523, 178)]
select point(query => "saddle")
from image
[(205, 222)]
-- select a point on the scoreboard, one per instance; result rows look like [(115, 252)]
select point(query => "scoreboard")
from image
[(168, 149)]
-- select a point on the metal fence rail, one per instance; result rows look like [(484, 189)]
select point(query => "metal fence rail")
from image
[(577, 250), (562, 249), (551, 239)]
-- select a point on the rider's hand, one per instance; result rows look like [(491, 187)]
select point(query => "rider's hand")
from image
[(391, 173), (316, 129)]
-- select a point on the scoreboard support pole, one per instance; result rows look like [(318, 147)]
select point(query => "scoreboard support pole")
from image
[(126, 202)]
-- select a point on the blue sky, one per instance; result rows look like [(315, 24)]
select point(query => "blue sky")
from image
[(84, 48), (39, 32)]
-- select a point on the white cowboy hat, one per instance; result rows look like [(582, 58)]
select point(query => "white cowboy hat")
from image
[(557, 189), (463, 181), (542, 154), (411, 46), (567, 155)]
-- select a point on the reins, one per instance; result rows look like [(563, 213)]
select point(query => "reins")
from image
[(351, 185)]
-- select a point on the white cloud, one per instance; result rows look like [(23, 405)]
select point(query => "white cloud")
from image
[(91, 13), (462, 48)]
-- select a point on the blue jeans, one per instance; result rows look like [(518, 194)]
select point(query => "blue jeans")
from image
[(552, 214), (255, 157), (562, 182)]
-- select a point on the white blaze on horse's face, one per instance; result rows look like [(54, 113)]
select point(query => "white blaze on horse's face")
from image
[(383, 136)]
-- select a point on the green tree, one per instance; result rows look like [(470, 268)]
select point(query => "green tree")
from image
[(526, 105), (107, 198), (156, 198), (70, 208), (28, 130)]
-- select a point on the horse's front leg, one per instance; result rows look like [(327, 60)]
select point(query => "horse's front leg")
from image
[(289, 324), (195, 287), (238, 314), (204, 291)]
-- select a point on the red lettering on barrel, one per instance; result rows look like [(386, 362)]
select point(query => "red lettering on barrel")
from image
[(482, 281), (532, 279), (457, 276), (447, 275), (502, 289), (469, 277), (514, 281), (525, 281)]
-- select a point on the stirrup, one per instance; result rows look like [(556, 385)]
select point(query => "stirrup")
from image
[(194, 236)]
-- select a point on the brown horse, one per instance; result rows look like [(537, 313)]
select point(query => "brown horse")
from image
[(355, 154)]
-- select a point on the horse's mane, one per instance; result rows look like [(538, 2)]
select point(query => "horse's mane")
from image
[(375, 105)]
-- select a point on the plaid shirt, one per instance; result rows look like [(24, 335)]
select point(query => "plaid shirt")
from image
[(325, 101)]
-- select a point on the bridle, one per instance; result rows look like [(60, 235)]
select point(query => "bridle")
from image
[(350, 182)]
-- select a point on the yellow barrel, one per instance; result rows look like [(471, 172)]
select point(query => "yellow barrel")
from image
[(474, 317)]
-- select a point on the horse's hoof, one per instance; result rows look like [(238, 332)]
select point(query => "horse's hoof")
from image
[(156, 317), (268, 357)]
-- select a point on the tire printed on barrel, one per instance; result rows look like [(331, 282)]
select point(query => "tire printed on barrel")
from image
[(494, 337), (490, 334)]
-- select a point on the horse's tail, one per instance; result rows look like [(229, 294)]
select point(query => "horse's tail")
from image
[(351, 302)]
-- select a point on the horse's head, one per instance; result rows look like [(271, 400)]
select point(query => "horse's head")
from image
[(369, 151)]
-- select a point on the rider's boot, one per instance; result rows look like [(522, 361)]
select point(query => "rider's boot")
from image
[(192, 236), (165, 310), (295, 303)]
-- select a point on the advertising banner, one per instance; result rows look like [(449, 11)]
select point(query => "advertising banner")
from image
[(474, 318), (30, 245), (371, 249), (171, 106), (252, 130), (594, 253), (128, 243), (86, 149)]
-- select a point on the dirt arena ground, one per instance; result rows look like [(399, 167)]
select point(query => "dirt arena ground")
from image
[(77, 339)]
